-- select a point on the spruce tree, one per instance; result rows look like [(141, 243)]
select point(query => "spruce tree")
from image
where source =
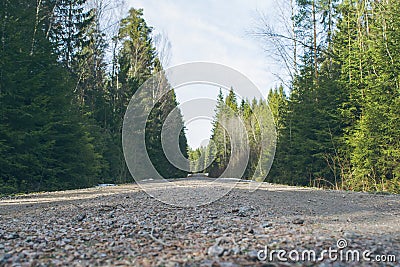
[(44, 145)]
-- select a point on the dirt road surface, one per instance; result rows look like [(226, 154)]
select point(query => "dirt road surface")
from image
[(124, 226)]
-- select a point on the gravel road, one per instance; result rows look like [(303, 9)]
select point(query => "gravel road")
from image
[(123, 226)]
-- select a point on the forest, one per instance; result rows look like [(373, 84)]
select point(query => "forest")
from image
[(63, 98), (337, 113), (65, 83)]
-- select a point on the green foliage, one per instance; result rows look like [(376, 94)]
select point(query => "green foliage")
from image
[(44, 144), (61, 109), (197, 159), (220, 145), (154, 126), (371, 72), (340, 125)]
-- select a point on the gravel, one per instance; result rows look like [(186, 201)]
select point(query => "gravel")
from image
[(123, 226)]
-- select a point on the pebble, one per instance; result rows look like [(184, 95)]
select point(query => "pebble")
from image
[(253, 255), (236, 250), (298, 221), (12, 236), (351, 235), (81, 217), (266, 225), (215, 251), (228, 264)]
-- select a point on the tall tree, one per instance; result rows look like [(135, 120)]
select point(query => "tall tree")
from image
[(137, 62), (369, 63), (44, 145), (65, 23)]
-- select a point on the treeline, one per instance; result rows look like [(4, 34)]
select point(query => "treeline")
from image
[(338, 113), (64, 88), (256, 120), (339, 124)]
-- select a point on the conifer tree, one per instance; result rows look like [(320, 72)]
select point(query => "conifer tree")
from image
[(44, 145)]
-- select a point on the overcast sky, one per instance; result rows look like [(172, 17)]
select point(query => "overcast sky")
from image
[(213, 31)]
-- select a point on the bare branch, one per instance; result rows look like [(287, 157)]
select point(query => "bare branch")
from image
[(163, 46)]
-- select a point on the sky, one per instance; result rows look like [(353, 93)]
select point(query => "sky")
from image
[(211, 31)]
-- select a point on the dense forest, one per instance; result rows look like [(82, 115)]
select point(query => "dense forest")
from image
[(340, 124), (64, 87), (338, 117), (257, 119), (65, 83)]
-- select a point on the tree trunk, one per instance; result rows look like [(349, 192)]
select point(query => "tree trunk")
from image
[(294, 36), (315, 39)]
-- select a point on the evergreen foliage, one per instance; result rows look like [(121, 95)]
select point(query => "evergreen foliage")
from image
[(339, 126), (61, 107), (63, 99), (338, 123)]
